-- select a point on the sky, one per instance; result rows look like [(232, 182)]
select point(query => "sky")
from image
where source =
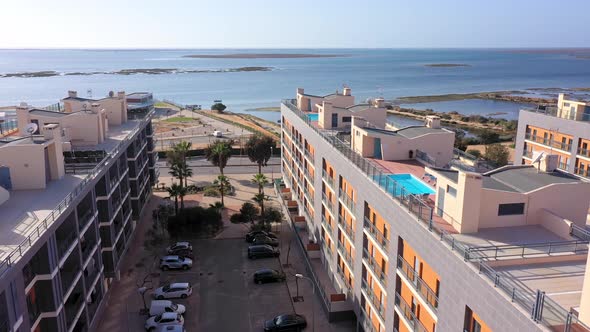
[(293, 24)]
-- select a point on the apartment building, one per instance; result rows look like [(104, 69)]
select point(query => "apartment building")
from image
[(562, 130), (71, 193), (399, 234)]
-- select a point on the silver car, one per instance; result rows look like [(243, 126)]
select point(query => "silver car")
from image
[(172, 291), (175, 262)]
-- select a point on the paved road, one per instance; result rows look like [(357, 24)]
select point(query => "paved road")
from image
[(229, 300), (236, 165)]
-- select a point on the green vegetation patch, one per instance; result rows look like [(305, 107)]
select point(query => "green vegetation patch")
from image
[(182, 119)]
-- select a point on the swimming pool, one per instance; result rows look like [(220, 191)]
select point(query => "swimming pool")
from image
[(313, 116), (410, 183)]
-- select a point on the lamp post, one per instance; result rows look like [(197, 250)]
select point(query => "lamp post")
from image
[(301, 276)]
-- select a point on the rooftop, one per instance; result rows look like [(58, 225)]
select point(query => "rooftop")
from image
[(49, 113)]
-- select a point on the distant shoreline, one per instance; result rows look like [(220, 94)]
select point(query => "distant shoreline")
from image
[(446, 65), (146, 71), (262, 56)]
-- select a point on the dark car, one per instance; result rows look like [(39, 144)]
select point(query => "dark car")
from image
[(262, 251), (286, 322), (263, 239), (268, 275), (251, 235), (182, 252)]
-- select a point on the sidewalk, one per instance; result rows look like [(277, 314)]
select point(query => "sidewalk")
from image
[(311, 304)]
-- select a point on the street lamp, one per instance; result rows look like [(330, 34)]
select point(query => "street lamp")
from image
[(301, 276)]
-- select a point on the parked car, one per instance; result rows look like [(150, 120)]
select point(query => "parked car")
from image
[(175, 262), (268, 275), (251, 235), (286, 322), (261, 251), (179, 245), (217, 133), (172, 291), (165, 319), (158, 307), (182, 252), (263, 239)]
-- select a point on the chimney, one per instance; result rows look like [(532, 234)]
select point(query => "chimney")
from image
[(95, 108), (56, 154), (548, 164), (379, 103), (300, 91), (72, 94), (433, 121), (346, 92), (121, 94)]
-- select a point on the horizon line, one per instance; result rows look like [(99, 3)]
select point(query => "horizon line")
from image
[(297, 48)]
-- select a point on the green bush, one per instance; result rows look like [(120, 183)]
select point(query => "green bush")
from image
[(211, 191), (271, 215), (196, 220), (236, 218), (475, 153)]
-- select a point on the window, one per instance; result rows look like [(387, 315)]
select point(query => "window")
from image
[(510, 209), (346, 119), (451, 191), (334, 120), (475, 326)]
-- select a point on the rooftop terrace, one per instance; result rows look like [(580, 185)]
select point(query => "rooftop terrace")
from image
[(512, 243), (28, 213)]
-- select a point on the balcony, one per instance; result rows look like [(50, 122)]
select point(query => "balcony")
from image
[(584, 152), (345, 254), (328, 180), (379, 237), (563, 113), (408, 314), (548, 142), (308, 196), (309, 155), (328, 203), (347, 200), (375, 268), (346, 228), (327, 224), (582, 172), (327, 250), (527, 154), (366, 321), (427, 294), (308, 175), (374, 301)]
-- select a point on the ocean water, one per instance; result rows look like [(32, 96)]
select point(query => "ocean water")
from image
[(389, 73), (494, 108)]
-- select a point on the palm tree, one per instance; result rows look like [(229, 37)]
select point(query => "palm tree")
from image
[(218, 206), (182, 148), (260, 180), (260, 198), (182, 191), (222, 182), (258, 148), (174, 192), (218, 153)]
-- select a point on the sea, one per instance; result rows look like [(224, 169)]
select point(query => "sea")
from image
[(388, 73)]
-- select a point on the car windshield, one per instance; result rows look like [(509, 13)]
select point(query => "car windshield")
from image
[(158, 318), (174, 307), (166, 288)]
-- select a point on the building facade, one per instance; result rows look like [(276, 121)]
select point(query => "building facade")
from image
[(72, 192), (398, 234), (563, 130)]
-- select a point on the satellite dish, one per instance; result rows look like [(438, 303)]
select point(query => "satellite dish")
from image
[(31, 128), (84, 106), (538, 157)]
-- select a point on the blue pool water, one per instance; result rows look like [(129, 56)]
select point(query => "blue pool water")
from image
[(410, 183), (313, 117)]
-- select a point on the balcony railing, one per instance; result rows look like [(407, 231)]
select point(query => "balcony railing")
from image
[(584, 152), (328, 179), (565, 114), (406, 310), (375, 267), (328, 202), (382, 241), (308, 195), (347, 200), (347, 228), (345, 254), (418, 283), (327, 249), (379, 308), (366, 321), (527, 154), (308, 175), (326, 223), (36, 233), (309, 155), (548, 142), (582, 172)]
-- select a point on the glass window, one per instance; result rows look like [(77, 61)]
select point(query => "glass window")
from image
[(452, 191), (510, 209)]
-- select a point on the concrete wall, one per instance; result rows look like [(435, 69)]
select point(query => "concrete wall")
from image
[(27, 165), (461, 284)]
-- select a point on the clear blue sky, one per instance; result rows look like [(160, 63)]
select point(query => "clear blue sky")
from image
[(292, 24)]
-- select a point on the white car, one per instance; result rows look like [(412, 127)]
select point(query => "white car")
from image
[(179, 246), (172, 328), (173, 291), (175, 262), (165, 319)]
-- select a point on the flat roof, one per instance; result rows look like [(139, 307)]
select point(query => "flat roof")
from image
[(139, 94), (18, 140), (415, 131), (25, 210), (49, 113), (527, 178)]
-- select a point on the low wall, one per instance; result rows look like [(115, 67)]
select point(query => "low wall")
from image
[(556, 224)]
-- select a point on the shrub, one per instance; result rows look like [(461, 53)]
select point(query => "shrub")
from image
[(198, 220), (211, 191), (249, 212), (475, 153), (272, 214), (236, 218)]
